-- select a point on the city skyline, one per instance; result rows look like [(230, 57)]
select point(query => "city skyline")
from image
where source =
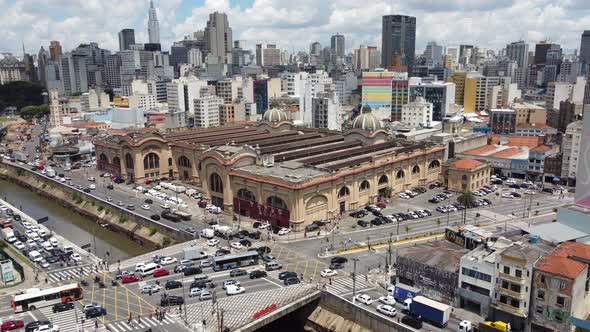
[(280, 22)]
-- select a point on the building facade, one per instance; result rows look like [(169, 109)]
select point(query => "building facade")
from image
[(570, 148), (466, 174), (398, 38), (503, 121), (418, 113)]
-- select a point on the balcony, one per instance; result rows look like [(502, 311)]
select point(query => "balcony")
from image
[(511, 293), (510, 309), (512, 279)]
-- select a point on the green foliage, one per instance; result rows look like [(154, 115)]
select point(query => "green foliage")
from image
[(153, 230), (467, 198), (33, 112), (100, 208), (44, 186), (166, 241), (20, 94), (123, 220)]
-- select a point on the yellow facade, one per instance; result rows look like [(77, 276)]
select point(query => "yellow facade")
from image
[(459, 79), (470, 94), (120, 101)]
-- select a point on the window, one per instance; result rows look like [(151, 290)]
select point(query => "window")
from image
[(560, 301), (542, 279), (476, 274), (169, 161), (504, 299), (539, 309), (518, 273), (343, 192), (506, 270), (515, 288), (541, 294), (400, 174), (416, 170), (216, 184), (562, 284), (383, 179), (364, 185), (184, 162), (505, 284), (151, 161), (515, 303)]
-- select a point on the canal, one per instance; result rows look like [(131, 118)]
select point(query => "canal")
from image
[(109, 245)]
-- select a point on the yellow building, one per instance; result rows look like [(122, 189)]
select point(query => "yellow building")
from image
[(466, 174), (470, 94), (459, 79), (121, 101)]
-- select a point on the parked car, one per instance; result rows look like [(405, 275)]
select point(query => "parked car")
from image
[(12, 324), (173, 284), (257, 274), (364, 299)]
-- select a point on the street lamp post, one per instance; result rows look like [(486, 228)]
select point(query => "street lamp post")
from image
[(354, 260)]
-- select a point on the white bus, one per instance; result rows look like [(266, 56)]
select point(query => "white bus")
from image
[(148, 269), (37, 298)]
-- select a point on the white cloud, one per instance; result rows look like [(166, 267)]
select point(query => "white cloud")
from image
[(295, 24)]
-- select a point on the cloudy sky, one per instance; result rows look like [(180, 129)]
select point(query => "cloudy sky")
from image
[(294, 24)]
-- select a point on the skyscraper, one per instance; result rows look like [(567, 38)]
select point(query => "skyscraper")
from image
[(541, 50), (54, 50), (399, 37), (126, 39), (519, 52), (315, 48), (337, 45), (585, 47), (153, 25), (218, 37)]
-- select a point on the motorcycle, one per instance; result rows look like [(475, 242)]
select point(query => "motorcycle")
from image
[(101, 285), (84, 283), (97, 279), (114, 283)]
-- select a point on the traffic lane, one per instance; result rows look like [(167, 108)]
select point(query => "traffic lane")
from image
[(293, 260)]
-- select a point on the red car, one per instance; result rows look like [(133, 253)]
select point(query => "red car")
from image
[(129, 278), (381, 205), (148, 181), (10, 325), (161, 272)]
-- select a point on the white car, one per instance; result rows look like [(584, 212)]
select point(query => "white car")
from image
[(387, 310), (62, 180), (109, 199), (195, 292), (215, 210), (284, 231), (234, 290), (29, 233), (92, 186), (26, 225), (168, 260), (76, 257), (212, 242), (510, 181), (389, 300), (165, 206), (139, 266), (228, 283), (47, 328), (507, 195), (264, 226), (529, 192), (364, 299), (183, 205), (328, 273), (205, 263), (236, 245), (404, 196), (19, 245), (146, 207), (154, 288)]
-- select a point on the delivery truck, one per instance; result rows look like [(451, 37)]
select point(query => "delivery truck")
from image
[(50, 172), (208, 233), (183, 215), (428, 310), (7, 233), (497, 326), (402, 292), (194, 253), (20, 156)]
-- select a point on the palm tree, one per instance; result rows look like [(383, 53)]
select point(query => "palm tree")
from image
[(467, 198)]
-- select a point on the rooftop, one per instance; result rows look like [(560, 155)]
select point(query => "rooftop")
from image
[(467, 163), (442, 254), (542, 148), (534, 125), (506, 153), (481, 150), (561, 263)]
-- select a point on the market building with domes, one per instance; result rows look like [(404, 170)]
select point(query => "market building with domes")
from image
[(275, 171)]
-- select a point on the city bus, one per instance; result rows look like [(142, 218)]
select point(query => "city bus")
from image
[(37, 298), (227, 262)]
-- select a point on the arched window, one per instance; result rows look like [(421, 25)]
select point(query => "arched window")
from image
[(383, 179), (415, 170), (246, 194), (215, 183), (184, 162), (129, 161), (276, 202), (364, 185), (151, 161), (117, 161), (464, 177), (400, 174), (343, 192), (103, 157), (434, 164), (169, 161)]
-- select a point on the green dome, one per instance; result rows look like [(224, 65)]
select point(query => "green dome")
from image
[(275, 115), (366, 122)]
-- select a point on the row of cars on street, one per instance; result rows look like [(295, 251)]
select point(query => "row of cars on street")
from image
[(407, 194)]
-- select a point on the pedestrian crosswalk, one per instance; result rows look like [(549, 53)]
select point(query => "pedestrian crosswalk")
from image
[(72, 273), (66, 320), (344, 285), (144, 323)]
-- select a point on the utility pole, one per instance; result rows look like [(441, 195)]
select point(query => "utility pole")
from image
[(354, 260), (389, 252)]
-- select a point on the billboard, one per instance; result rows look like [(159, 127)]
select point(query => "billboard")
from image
[(7, 271), (275, 216), (583, 173)]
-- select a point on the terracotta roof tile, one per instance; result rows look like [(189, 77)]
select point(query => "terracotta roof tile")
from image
[(534, 125), (559, 262), (506, 153), (480, 150), (467, 163), (542, 148), (525, 141)]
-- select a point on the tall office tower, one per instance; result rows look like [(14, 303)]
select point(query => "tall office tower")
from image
[(519, 52), (398, 37), (42, 59), (153, 25), (112, 71), (433, 54), (74, 72), (126, 39), (315, 48), (218, 37), (541, 50), (585, 48), (337, 45), (54, 50)]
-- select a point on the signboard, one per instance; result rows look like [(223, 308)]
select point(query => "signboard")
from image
[(42, 220), (460, 239), (7, 271), (85, 246), (264, 311), (262, 212)]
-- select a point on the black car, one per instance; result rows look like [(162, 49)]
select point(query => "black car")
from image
[(312, 228), (358, 214), (221, 252), (59, 307), (118, 180), (339, 259), (336, 266), (377, 222), (237, 273), (412, 321), (319, 223), (515, 194), (16, 217), (246, 243), (51, 259), (95, 312), (86, 190), (192, 270), (362, 223), (148, 201), (257, 274), (155, 217), (202, 284), (548, 190), (287, 274), (172, 284), (263, 250), (110, 186), (487, 201), (291, 281), (30, 327), (21, 238), (168, 300), (515, 186)]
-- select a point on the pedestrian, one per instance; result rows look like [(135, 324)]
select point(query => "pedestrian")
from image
[(150, 292), (138, 319), (330, 280), (46, 281), (95, 324)]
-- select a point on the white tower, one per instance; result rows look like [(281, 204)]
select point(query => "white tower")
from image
[(153, 25)]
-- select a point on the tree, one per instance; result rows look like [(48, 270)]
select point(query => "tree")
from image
[(31, 112), (467, 198), (20, 94)]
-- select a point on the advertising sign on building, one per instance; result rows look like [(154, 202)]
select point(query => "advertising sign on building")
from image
[(273, 215), (7, 271)]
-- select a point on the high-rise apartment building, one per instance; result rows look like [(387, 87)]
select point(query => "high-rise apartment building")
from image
[(153, 25), (207, 111), (315, 48), (519, 52), (398, 37), (74, 73), (418, 113), (218, 37), (440, 95), (267, 55), (126, 39), (570, 147), (337, 45), (54, 50), (433, 54), (541, 50), (585, 47)]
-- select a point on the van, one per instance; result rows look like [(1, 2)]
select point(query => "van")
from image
[(148, 269), (202, 278), (68, 250), (272, 266), (35, 256)]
